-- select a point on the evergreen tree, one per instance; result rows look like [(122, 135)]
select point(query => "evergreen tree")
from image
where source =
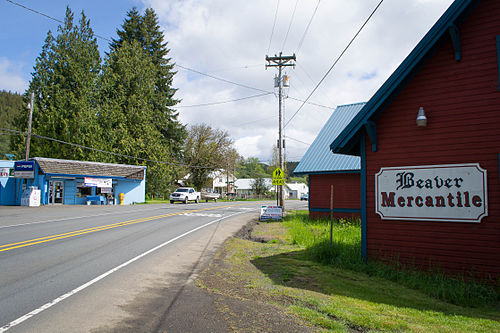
[(11, 104), (64, 84), (128, 95), (145, 30)]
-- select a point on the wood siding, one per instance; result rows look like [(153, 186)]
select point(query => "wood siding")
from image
[(462, 103), (347, 194)]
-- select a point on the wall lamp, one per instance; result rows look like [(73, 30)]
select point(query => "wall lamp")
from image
[(421, 118)]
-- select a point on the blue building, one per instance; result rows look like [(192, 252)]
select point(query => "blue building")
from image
[(7, 184), (71, 182)]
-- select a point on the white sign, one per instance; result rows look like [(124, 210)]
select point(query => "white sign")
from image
[(24, 174), (451, 193), (97, 182), (4, 172), (271, 213)]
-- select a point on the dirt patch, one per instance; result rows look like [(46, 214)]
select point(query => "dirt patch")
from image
[(245, 306)]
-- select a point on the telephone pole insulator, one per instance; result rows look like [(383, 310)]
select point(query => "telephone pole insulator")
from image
[(280, 62)]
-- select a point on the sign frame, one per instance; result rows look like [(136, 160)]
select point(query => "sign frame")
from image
[(271, 212), (442, 193)]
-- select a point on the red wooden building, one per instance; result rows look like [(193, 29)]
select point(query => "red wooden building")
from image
[(430, 187), (326, 169)]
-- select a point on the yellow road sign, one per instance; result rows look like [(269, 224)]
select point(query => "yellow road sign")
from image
[(278, 181), (278, 174)]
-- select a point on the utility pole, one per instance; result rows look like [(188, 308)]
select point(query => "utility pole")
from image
[(28, 138), (280, 62)]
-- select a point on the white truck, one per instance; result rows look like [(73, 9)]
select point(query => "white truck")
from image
[(185, 194)]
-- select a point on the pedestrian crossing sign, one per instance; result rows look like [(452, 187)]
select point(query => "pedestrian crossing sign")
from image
[(278, 177)]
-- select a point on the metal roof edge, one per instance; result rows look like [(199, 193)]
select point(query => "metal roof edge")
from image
[(326, 172), (425, 45)]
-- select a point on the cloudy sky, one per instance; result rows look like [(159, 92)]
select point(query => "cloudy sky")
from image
[(229, 40)]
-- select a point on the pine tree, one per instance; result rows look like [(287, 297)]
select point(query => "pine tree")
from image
[(128, 94), (64, 83), (11, 104), (146, 31)]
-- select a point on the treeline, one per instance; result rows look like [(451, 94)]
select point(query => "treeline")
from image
[(11, 105), (121, 103)]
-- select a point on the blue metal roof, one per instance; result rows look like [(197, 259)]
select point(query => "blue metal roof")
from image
[(319, 158), (346, 141)]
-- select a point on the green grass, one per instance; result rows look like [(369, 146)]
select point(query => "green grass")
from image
[(332, 289), (345, 253)]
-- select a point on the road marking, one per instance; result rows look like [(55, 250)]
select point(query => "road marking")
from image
[(76, 218), (102, 276), (202, 215), (26, 243)]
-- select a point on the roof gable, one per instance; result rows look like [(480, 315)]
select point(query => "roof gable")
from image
[(318, 157), (346, 141)]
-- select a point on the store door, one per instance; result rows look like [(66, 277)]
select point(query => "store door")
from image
[(56, 192)]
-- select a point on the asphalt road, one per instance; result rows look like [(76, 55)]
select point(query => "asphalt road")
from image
[(94, 268)]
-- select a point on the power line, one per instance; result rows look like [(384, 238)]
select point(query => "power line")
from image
[(297, 140), (221, 79), (274, 25), (223, 102), (311, 103), (107, 152), (336, 61), (289, 26), (246, 86), (254, 121), (307, 28), (49, 17)]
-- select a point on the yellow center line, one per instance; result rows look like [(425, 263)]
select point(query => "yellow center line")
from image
[(16, 245)]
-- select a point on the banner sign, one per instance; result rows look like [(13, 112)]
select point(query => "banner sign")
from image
[(97, 182), (448, 193), (24, 169), (271, 213)]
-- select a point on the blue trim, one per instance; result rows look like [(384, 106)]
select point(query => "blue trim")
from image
[(326, 172), (420, 53), (455, 39), (309, 193), (55, 175), (498, 57), (371, 129), (362, 148), (336, 210)]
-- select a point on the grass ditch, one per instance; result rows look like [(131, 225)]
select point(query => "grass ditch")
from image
[(293, 267)]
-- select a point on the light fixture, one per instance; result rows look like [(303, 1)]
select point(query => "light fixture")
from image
[(421, 118)]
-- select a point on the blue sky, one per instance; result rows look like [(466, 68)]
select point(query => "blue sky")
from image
[(230, 39), (23, 32)]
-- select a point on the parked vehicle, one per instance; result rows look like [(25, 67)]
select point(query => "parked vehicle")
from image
[(304, 196), (209, 194), (185, 194)]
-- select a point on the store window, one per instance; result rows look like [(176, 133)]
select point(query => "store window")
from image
[(83, 191)]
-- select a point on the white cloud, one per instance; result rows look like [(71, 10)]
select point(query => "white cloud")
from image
[(230, 39), (11, 76)]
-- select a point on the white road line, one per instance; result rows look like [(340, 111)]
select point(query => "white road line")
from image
[(201, 215), (102, 276)]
